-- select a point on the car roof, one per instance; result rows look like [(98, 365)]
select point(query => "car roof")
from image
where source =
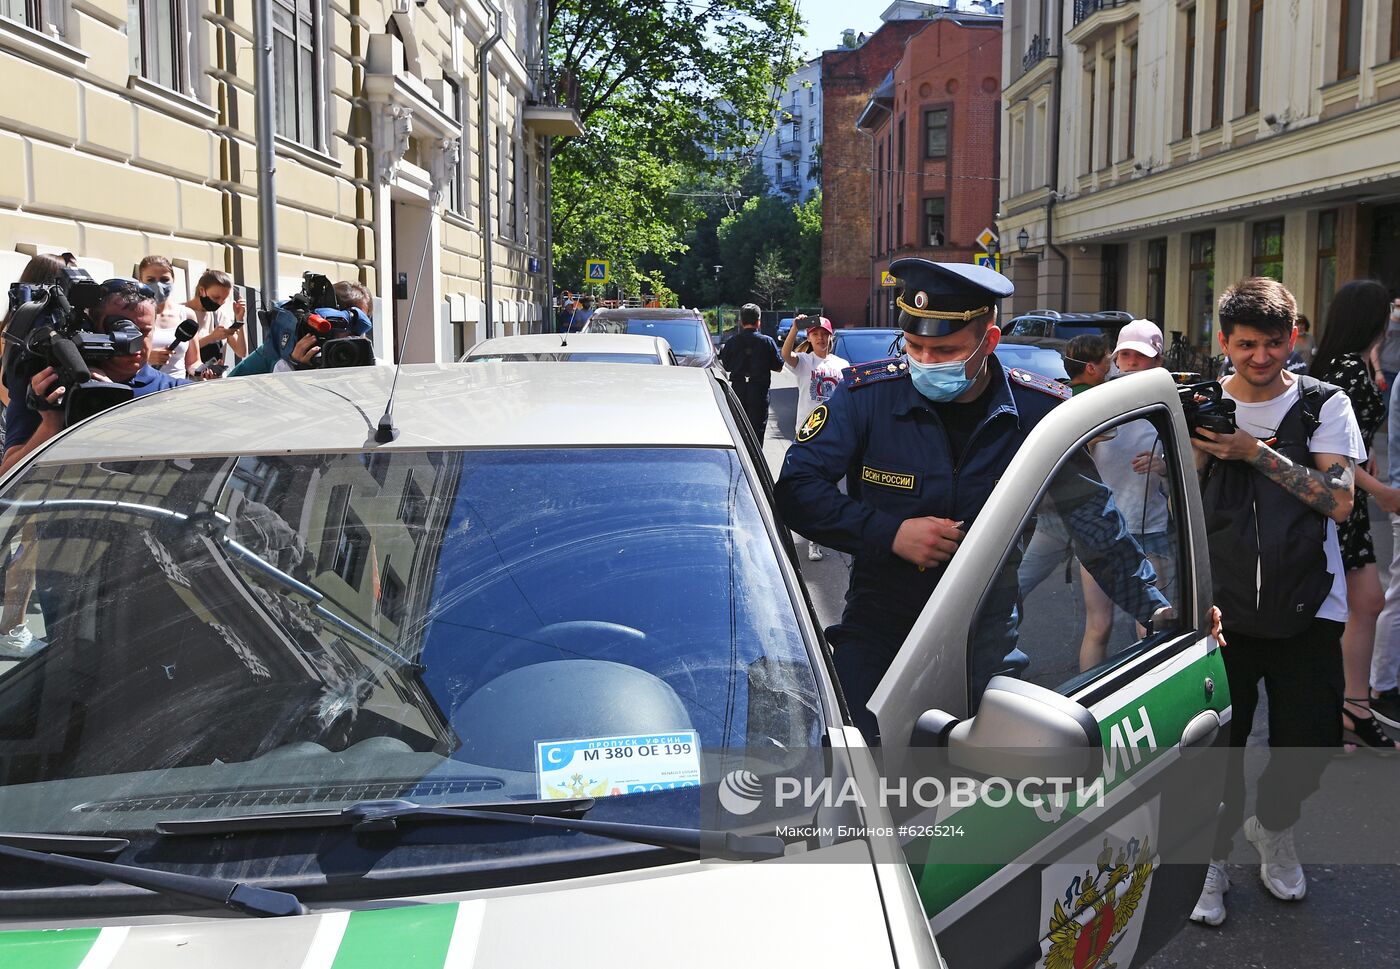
[(645, 313), (555, 342), (1104, 318), (437, 406)]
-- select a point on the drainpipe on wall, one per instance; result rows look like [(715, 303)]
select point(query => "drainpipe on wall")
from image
[(265, 130), (1055, 183), (483, 138)]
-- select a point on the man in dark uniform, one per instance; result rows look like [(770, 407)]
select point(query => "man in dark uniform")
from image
[(751, 358), (922, 440)]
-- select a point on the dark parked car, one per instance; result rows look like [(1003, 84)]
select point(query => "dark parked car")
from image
[(683, 329), (862, 344), (1048, 328)]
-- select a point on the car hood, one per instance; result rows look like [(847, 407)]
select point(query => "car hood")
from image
[(821, 910)]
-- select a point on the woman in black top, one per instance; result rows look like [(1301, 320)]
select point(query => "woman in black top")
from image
[(1356, 320)]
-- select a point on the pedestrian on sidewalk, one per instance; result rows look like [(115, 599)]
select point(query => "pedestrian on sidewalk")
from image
[(1356, 320), (818, 373), (751, 358), (163, 353), (1290, 463)]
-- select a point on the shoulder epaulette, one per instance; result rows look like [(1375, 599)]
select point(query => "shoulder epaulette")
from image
[(874, 372), (1035, 381)]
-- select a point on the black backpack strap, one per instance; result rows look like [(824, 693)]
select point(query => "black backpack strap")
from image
[(1312, 394)]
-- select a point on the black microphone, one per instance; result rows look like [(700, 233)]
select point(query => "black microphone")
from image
[(185, 331)]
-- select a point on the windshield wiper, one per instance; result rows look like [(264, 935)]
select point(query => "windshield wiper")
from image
[(369, 816), (235, 895), (68, 844)]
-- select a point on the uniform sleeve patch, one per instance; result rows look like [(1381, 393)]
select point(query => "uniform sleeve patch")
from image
[(1045, 385), (888, 479), (813, 425)]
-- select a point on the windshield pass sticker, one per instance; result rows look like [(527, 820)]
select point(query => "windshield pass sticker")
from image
[(604, 766)]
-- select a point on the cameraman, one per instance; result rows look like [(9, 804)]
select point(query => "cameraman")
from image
[(26, 428)]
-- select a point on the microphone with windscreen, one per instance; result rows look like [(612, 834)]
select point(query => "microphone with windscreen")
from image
[(185, 331)]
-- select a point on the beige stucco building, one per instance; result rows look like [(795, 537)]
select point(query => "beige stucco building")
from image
[(1154, 151), (127, 128)]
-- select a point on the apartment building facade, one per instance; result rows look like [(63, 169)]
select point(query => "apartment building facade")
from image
[(933, 149), (133, 133), (791, 151), (1154, 151)]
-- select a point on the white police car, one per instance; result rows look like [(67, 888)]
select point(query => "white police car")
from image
[(528, 685)]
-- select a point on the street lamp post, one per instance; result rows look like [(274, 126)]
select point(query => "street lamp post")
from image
[(1023, 239)]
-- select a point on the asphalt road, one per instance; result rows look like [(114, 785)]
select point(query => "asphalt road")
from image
[(1349, 918)]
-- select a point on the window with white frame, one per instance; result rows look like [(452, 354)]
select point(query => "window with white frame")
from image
[(512, 184), (46, 16), (297, 54), (452, 107), (161, 39)]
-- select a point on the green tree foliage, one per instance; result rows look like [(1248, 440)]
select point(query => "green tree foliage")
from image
[(808, 278), (765, 225), (772, 279), (671, 93)]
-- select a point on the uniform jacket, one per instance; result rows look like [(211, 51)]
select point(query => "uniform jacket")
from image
[(885, 439), (750, 358)]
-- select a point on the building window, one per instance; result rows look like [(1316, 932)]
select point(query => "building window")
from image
[(512, 181), (811, 95), (452, 107), (1110, 266), (161, 41), (1222, 30), (899, 223), (352, 550), (1255, 56), (296, 54), (413, 506), (1349, 40), (391, 595), (812, 130), (1188, 99), (1326, 263), (1090, 80), (936, 133), (1201, 286), (1267, 259), (934, 225), (1157, 281), (1132, 100), (499, 167), (1394, 29), (903, 154), (46, 16), (1110, 152)]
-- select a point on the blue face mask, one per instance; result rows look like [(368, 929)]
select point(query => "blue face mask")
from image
[(162, 290), (941, 382)]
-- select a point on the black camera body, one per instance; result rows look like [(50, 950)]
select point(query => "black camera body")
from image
[(1206, 406), (341, 334), (48, 328)]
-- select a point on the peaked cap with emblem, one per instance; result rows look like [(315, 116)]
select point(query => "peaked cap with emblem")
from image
[(938, 298)]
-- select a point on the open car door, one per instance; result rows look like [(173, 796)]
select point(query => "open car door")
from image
[(1002, 679)]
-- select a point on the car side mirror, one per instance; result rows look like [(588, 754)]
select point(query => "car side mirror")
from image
[(1020, 730)]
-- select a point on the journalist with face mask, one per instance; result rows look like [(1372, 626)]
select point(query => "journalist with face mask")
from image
[(220, 314), (162, 350)]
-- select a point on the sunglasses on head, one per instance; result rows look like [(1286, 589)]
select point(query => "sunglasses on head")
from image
[(117, 284)]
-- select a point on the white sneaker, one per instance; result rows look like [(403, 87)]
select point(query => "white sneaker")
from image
[(1279, 869), (814, 552), (18, 643), (1210, 907)]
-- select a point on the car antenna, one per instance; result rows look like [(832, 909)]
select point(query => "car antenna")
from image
[(564, 337), (386, 431)]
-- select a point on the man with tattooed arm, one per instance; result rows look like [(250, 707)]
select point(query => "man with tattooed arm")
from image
[(1273, 491)]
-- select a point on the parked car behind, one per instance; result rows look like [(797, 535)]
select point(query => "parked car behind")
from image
[(1048, 328), (861, 344), (683, 329)]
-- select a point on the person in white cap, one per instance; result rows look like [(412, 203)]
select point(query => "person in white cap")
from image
[(818, 373), (1132, 462)]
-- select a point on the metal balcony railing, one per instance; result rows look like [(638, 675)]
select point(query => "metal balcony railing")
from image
[(552, 86), (1036, 51), (1084, 9)]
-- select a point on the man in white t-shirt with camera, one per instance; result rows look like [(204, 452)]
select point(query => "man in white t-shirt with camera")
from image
[(818, 373)]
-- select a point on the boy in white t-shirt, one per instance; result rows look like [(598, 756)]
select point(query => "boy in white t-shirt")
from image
[(818, 373), (1288, 613)]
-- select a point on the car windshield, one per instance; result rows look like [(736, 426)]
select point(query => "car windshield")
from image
[(581, 356), (856, 347), (221, 635), (687, 337)]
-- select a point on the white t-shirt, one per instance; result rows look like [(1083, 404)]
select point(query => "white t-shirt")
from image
[(1338, 433), (167, 320), (817, 379), (1142, 498)]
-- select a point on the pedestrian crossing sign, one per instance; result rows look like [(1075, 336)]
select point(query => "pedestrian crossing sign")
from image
[(992, 260), (596, 270), (886, 279)]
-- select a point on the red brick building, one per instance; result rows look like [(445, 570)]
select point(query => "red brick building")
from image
[(932, 143), (848, 77)]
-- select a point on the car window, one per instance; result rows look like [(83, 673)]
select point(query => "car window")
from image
[(306, 625), (687, 337), (1070, 599), (579, 356), (857, 348)]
